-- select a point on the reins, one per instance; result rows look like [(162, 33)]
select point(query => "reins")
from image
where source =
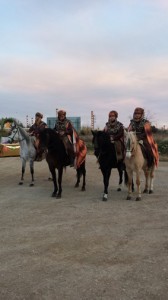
[(17, 131), (129, 151)]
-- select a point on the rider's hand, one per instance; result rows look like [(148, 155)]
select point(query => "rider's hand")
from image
[(62, 132)]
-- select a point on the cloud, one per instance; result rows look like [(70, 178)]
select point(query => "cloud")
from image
[(83, 56)]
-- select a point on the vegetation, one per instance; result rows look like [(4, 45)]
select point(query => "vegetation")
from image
[(160, 135), (4, 132), (85, 131), (8, 120)]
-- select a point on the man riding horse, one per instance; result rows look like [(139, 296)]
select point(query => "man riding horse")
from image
[(65, 129), (143, 130), (115, 129), (34, 131)]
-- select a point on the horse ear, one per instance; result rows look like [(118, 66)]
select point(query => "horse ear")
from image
[(12, 124)]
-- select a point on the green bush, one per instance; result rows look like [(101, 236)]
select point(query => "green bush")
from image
[(85, 131), (163, 147)]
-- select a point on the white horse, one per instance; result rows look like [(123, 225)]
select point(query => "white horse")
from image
[(27, 149), (135, 162)]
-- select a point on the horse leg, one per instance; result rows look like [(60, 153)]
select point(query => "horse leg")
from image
[(78, 177), (138, 183), (151, 180), (54, 179), (126, 180), (84, 179), (23, 171), (120, 172), (106, 176), (130, 178), (151, 184), (146, 173), (59, 192), (32, 171), (81, 171)]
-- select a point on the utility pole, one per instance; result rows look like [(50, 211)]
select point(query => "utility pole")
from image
[(27, 121), (92, 120)]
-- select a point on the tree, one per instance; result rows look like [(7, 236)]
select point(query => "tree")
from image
[(10, 120)]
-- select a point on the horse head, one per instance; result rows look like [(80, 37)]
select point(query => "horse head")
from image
[(95, 143), (101, 142), (17, 133), (130, 143), (48, 138), (13, 133), (43, 139)]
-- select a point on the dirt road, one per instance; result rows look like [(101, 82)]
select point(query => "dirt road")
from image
[(79, 247)]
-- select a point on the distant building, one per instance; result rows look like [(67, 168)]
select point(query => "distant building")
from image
[(76, 122)]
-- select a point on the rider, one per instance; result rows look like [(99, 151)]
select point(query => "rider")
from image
[(144, 135), (116, 131), (65, 129), (38, 125), (34, 131)]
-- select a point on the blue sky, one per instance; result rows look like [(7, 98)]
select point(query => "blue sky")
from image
[(83, 56)]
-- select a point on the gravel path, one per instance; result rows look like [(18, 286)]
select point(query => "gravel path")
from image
[(79, 247)]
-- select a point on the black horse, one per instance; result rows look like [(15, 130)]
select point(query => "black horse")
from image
[(105, 152), (57, 158)]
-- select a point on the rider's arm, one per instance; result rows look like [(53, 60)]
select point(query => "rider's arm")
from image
[(119, 134), (69, 129), (31, 130)]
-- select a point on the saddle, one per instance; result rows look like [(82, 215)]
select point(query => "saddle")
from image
[(147, 153), (119, 150)]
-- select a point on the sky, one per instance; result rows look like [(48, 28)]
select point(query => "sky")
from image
[(83, 56)]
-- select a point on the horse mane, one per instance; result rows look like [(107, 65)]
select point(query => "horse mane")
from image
[(103, 138), (51, 132), (54, 138), (133, 137), (22, 130)]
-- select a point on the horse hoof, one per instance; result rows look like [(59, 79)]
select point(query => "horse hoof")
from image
[(31, 184), (128, 198), (20, 183), (76, 185), (119, 190), (58, 196), (53, 195), (83, 189), (145, 191), (138, 199), (150, 192), (104, 199)]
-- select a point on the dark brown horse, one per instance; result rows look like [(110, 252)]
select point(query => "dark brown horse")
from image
[(105, 152), (57, 158)]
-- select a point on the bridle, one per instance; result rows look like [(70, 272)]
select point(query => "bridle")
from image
[(16, 132), (130, 147)]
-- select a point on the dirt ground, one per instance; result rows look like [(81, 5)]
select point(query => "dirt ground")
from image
[(79, 247)]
